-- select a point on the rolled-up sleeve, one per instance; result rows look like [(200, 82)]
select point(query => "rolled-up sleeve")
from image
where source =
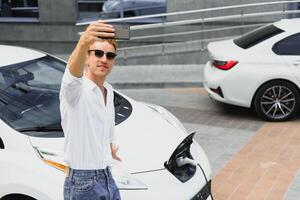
[(71, 87)]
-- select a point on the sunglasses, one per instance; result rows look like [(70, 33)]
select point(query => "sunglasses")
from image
[(100, 53)]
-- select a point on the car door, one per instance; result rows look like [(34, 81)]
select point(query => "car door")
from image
[(289, 49)]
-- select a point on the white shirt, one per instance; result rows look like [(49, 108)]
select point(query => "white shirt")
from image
[(88, 123)]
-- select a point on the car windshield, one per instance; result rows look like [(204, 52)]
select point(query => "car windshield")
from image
[(29, 97), (257, 36), (29, 93)]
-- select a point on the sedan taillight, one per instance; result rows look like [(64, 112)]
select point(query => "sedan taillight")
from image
[(224, 65)]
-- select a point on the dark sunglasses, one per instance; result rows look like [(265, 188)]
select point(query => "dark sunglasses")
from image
[(100, 53)]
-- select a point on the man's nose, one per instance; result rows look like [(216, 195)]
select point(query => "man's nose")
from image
[(103, 58)]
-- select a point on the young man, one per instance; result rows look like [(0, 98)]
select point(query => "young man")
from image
[(87, 112)]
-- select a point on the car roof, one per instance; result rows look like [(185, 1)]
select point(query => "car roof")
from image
[(13, 54), (289, 24)]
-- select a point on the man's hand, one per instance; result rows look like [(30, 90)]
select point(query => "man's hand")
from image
[(114, 149), (95, 32)]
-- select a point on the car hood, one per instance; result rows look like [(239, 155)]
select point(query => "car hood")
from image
[(146, 140)]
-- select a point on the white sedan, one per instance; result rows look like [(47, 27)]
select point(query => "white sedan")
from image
[(260, 69), (160, 160)]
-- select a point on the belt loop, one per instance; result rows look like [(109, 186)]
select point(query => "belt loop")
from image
[(107, 171), (71, 173)]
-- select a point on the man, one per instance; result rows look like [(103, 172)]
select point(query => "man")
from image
[(87, 111)]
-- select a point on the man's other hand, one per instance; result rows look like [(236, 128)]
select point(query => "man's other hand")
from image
[(114, 150)]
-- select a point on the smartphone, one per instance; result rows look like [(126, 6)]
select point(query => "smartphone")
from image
[(122, 31)]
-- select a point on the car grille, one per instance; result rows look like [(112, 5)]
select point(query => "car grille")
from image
[(203, 193)]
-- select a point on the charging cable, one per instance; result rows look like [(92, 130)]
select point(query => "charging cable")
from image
[(181, 161)]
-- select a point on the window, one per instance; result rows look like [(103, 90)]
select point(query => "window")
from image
[(29, 97), (288, 46), (89, 9), (29, 92), (257, 36), (123, 108), (19, 10)]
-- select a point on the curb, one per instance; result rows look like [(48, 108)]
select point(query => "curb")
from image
[(148, 85)]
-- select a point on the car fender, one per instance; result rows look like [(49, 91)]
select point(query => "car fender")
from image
[(32, 177), (23, 190), (290, 79)]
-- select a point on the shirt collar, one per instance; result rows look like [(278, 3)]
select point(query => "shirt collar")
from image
[(91, 85)]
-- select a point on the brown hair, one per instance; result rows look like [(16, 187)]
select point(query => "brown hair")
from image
[(111, 41)]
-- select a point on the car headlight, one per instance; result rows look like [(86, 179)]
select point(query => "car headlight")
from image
[(51, 159), (125, 180)]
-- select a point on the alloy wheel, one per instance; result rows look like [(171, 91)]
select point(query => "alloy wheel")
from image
[(278, 102)]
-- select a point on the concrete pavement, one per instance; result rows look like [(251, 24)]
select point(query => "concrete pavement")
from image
[(250, 159)]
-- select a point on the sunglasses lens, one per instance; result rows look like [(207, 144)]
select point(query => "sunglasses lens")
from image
[(110, 55), (99, 53)]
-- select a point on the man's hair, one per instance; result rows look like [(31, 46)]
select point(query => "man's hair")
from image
[(111, 41)]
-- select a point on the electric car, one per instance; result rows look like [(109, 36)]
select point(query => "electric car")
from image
[(160, 159), (260, 69)]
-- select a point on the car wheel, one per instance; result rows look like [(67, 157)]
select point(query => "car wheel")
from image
[(277, 101)]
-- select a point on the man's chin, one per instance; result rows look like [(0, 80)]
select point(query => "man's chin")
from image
[(102, 73)]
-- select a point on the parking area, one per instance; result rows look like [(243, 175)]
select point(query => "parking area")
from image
[(250, 158)]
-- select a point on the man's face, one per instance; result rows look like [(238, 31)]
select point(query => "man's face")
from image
[(100, 65)]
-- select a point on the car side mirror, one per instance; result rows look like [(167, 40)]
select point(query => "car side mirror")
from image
[(1, 144)]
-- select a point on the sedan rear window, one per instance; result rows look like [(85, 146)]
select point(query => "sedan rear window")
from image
[(288, 46), (257, 36)]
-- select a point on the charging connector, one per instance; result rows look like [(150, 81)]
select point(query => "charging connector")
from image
[(181, 161)]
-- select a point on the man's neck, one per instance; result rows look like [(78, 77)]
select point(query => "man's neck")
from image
[(99, 81)]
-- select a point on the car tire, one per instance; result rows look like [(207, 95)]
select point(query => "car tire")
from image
[(277, 101), (17, 197)]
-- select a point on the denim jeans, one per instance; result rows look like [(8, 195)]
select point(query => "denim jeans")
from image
[(90, 185)]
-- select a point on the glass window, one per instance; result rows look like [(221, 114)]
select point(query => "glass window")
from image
[(288, 46), (257, 36), (29, 97), (89, 9), (29, 92), (18, 10), (123, 108)]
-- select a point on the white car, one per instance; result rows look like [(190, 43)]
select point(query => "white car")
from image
[(160, 160), (260, 69), (132, 8)]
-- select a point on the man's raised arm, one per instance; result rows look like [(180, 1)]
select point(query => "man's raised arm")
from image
[(94, 32)]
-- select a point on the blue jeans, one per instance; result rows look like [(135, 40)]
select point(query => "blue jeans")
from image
[(90, 185)]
